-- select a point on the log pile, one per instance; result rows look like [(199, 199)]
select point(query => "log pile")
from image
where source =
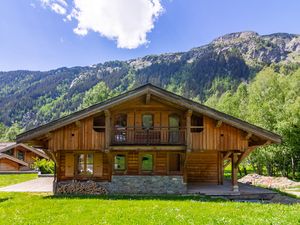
[(76, 187)]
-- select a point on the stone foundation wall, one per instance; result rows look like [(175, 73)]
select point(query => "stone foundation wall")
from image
[(126, 185)]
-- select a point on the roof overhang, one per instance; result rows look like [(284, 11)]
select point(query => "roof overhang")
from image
[(29, 148), (14, 159), (156, 91)]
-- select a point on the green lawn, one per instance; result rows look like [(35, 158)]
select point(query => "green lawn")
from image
[(8, 179), (22, 208)]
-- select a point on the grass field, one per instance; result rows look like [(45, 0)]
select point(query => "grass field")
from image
[(22, 208), (8, 179)]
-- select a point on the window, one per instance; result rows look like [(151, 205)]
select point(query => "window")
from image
[(174, 135), (174, 162), (85, 164), (99, 123), (147, 120), (147, 163), (120, 162), (197, 123), (9, 152), (21, 155), (120, 124), (121, 120)]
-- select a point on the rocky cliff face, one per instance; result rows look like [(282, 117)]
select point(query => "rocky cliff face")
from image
[(32, 98)]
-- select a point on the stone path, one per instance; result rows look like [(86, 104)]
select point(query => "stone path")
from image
[(41, 184)]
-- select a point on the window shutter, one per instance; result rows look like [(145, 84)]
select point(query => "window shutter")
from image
[(98, 164), (69, 171)]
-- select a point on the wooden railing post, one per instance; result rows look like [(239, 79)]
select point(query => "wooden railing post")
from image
[(107, 130), (188, 130)]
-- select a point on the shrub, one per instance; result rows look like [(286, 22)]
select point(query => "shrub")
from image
[(44, 165)]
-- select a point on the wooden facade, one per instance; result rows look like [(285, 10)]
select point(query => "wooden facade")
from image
[(148, 132)]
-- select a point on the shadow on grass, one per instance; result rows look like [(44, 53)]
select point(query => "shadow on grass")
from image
[(139, 197), (4, 199)]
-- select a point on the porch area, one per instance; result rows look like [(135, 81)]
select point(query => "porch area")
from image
[(246, 191)]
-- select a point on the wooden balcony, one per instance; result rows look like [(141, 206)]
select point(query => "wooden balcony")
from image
[(153, 136)]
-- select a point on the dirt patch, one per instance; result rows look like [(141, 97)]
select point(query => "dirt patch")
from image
[(269, 182)]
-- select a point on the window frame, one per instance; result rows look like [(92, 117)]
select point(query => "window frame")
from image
[(179, 172), (85, 163), (116, 124), (195, 128), (141, 163), (147, 114), (23, 155), (99, 128), (120, 171)]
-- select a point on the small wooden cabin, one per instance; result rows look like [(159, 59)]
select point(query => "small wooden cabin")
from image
[(18, 157), (147, 140)]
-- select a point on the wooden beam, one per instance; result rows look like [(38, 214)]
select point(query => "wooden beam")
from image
[(107, 129), (226, 164), (78, 124), (148, 98), (185, 167), (249, 135), (227, 155), (221, 168), (49, 136), (234, 171), (36, 144), (219, 123), (243, 156), (188, 130), (268, 142)]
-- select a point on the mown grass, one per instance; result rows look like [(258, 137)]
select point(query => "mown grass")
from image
[(8, 179), (24, 208)]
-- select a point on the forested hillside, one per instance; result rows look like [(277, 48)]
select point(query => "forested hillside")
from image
[(31, 98), (253, 77)]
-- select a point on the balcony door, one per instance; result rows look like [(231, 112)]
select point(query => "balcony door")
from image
[(174, 124), (120, 125)]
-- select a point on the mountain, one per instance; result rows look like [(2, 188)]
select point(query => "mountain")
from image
[(33, 97)]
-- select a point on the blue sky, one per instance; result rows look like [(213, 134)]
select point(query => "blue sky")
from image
[(33, 36)]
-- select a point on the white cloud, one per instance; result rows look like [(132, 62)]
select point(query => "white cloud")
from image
[(126, 21), (58, 6)]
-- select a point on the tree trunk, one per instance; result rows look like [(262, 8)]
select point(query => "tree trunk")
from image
[(245, 170), (293, 167)]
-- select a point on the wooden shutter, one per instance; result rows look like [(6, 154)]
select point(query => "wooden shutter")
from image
[(98, 164), (69, 171)]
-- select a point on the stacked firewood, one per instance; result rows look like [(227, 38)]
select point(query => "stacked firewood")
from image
[(76, 187)]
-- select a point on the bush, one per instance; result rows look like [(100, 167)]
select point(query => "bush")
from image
[(44, 165)]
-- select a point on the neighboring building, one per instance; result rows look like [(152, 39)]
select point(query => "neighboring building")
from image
[(18, 157), (147, 140)]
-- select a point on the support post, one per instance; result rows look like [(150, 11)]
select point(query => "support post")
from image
[(107, 130), (234, 171), (221, 168), (188, 131)]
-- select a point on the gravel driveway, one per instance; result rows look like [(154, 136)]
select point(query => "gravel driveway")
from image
[(41, 184)]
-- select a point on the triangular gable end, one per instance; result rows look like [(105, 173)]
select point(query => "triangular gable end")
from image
[(148, 90)]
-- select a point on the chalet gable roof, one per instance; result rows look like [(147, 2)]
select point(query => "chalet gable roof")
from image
[(156, 91), (14, 159), (12, 145)]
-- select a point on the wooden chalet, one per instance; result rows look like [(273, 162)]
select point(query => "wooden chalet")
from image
[(147, 140), (18, 157)]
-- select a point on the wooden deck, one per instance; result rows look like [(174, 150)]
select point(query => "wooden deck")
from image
[(246, 191)]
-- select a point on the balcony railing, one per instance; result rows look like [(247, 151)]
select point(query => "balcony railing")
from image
[(152, 136)]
